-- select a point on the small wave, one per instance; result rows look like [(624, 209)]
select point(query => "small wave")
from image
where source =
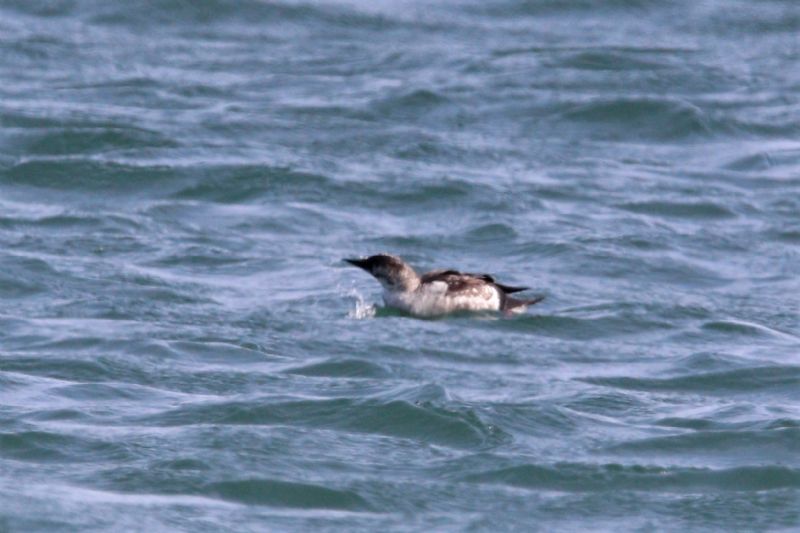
[(144, 15), (279, 493), (740, 380), (766, 161), (426, 195), (582, 329), (605, 403), (198, 257), (216, 351), (690, 210), (542, 421), (64, 368), (773, 17), (77, 220), (788, 236), (45, 447), (710, 423), (81, 175), (412, 104), (656, 119), (666, 268), (491, 232), (248, 182), (610, 60), (92, 392), (422, 421), (341, 368), (740, 327), (94, 140), (751, 162), (701, 362), (577, 477), (41, 9), (23, 276), (782, 443), (553, 7)]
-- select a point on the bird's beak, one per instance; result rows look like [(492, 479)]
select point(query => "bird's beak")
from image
[(360, 263)]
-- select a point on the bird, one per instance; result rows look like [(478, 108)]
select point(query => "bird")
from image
[(440, 292)]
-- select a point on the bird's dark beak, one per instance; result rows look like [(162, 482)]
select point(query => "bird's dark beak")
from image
[(360, 263)]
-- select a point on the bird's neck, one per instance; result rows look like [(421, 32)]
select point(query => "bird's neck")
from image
[(405, 281)]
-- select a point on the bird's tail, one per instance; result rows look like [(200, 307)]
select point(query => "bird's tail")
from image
[(514, 305)]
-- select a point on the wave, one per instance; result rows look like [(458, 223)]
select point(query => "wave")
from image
[(420, 103), (688, 210), (739, 380), (146, 14), (780, 444), (579, 477), (582, 329), (641, 118), (422, 422), (346, 368), (50, 447), (616, 59), (244, 183), (91, 140), (22, 276), (80, 175), (211, 183), (280, 493)]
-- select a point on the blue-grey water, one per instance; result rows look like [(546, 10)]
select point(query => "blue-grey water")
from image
[(182, 349)]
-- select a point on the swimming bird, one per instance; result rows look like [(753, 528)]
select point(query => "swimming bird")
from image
[(440, 292)]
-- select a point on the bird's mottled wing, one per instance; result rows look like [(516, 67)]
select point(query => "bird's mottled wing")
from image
[(459, 282), (437, 275)]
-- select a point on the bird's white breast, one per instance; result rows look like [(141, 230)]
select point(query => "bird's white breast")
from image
[(432, 299)]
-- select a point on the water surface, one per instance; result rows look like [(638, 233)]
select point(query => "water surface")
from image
[(182, 348)]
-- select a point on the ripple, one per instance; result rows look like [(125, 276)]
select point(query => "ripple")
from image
[(581, 329), (91, 393), (73, 176), (543, 421), (75, 220), (780, 444), (762, 161), (605, 403), (741, 380), (247, 183), (788, 236), (286, 494), (748, 329), (614, 60), (94, 140), (578, 477), (24, 276), (413, 104), (657, 119), (45, 446), (490, 232), (216, 351), (215, 12), (341, 368), (398, 418), (689, 210)]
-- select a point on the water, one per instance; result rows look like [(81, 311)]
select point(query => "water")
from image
[(182, 348)]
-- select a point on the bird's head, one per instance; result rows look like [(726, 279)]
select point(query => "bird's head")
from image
[(393, 273)]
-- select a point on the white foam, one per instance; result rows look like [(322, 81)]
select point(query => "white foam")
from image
[(362, 309)]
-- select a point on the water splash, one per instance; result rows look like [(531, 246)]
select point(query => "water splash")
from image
[(362, 309)]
